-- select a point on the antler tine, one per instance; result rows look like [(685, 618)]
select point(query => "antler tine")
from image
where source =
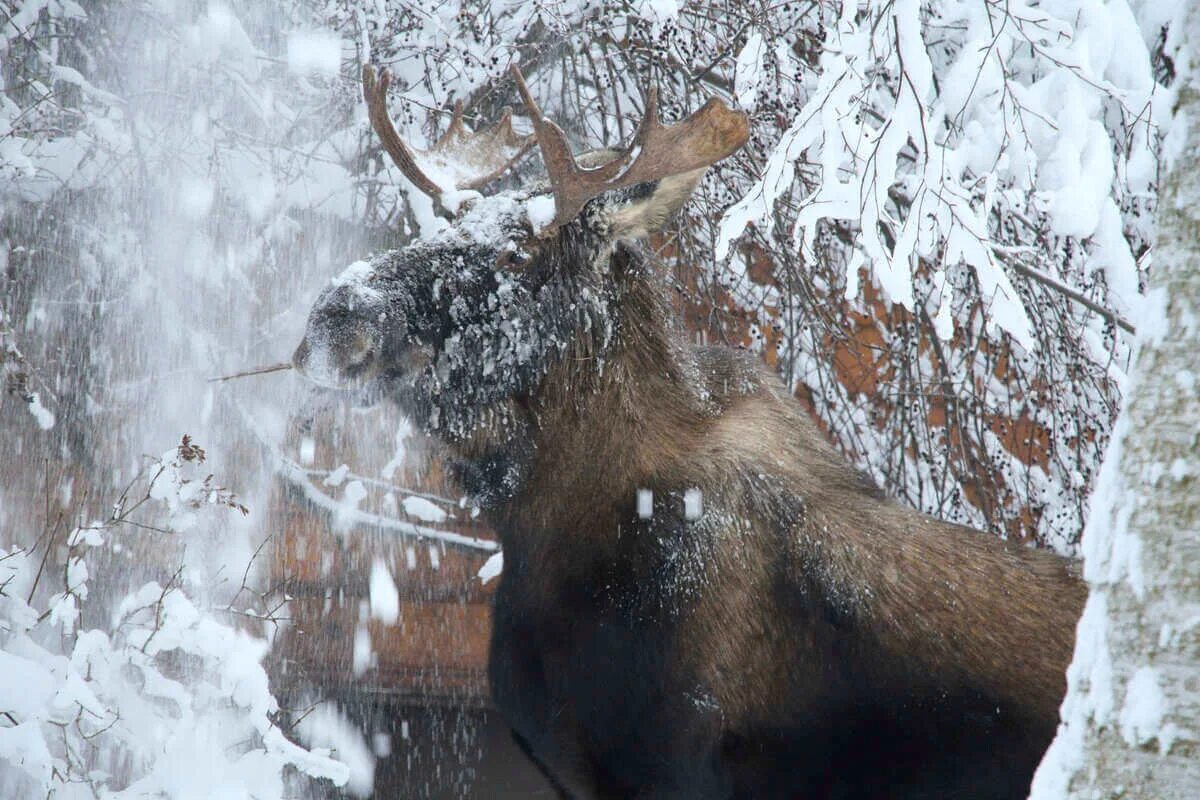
[(460, 159), (491, 152), (456, 129), (658, 151), (561, 167), (375, 93)]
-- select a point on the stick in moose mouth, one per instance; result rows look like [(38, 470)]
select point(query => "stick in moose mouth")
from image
[(256, 371)]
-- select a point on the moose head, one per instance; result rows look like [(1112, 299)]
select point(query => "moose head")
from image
[(458, 329)]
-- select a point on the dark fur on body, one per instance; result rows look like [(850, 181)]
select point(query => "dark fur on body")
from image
[(804, 637)]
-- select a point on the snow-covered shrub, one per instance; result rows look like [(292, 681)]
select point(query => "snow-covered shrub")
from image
[(165, 701), (990, 169)]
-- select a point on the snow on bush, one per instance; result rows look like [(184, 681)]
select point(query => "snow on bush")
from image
[(165, 701), (326, 726), (970, 186), (969, 112)]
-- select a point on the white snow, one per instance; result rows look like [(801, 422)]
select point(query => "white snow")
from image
[(1142, 713), (338, 476), (211, 726), (748, 71), (355, 276), (403, 431), (362, 653), (492, 567), (1110, 555), (314, 51), (328, 728), (660, 13), (645, 503), (1054, 145), (385, 598), (195, 196), (423, 509), (1089, 694), (541, 211), (44, 416), (456, 200), (308, 450), (693, 504), (346, 514), (26, 687)]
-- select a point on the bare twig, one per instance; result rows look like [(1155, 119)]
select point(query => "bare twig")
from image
[(1067, 291), (52, 528), (280, 367)]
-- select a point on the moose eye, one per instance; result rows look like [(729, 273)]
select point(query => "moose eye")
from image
[(513, 259)]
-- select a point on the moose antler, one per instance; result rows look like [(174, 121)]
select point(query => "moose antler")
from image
[(461, 159), (657, 151)]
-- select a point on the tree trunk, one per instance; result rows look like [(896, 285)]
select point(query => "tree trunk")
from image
[(1131, 719)]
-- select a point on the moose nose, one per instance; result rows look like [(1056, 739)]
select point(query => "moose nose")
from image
[(300, 357), (338, 361)]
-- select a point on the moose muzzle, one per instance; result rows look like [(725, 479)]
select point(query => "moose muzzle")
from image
[(345, 337)]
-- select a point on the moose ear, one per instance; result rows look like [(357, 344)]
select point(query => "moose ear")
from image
[(647, 207)]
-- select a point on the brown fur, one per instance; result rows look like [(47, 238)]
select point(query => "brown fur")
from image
[(948, 607)]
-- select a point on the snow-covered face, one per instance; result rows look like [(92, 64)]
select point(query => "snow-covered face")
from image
[(455, 327)]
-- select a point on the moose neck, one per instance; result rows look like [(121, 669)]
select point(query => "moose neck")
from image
[(605, 420)]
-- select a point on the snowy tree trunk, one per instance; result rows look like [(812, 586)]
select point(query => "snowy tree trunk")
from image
[(1131, 719)]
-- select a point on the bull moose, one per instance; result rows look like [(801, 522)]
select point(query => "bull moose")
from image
[(701, 598)]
